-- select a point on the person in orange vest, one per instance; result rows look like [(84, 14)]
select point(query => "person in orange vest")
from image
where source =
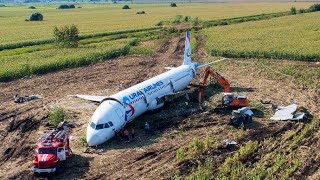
[(126, 135)]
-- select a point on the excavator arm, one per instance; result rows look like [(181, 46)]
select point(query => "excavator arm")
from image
[(221, 80), (228, 99)]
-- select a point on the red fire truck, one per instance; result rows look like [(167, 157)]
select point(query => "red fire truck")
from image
[(52, 148)]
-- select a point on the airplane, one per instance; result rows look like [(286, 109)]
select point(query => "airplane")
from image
[(115, 111)]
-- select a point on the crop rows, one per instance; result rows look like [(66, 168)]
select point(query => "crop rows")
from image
[(292, 37), (47, 41), (41, 62), (101, 17)]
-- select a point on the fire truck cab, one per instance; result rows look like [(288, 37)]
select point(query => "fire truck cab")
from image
[(52, 148)]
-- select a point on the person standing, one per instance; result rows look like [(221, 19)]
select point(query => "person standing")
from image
[(147, 128), (126, 135)]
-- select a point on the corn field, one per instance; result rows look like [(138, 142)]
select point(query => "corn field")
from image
[(293, 37)]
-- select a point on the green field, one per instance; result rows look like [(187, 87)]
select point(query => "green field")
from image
[(44, 58), (290, 37), (94, 18), (237, 39)]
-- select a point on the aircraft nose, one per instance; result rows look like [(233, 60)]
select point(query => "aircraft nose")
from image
[(93, 140)]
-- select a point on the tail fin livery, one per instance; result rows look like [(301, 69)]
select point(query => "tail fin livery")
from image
[(187, 50)]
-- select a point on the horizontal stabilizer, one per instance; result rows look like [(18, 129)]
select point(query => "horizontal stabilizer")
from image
[(91, 98)]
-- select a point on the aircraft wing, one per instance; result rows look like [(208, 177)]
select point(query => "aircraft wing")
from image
[(91, 98), (171, 96)]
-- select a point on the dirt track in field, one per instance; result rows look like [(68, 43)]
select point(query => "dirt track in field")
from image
[(175, 125)]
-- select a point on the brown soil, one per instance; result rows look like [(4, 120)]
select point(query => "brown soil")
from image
[(175, 125)]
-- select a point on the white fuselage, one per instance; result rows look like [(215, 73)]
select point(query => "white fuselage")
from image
[(122, 107)]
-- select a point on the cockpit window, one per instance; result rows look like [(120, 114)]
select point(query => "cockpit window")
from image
[(110, 123), (106, 125), (99, 126), (92, 125)]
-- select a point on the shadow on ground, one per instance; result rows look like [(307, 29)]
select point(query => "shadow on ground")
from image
[(75, 167)]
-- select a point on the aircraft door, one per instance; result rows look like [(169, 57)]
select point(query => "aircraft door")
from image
[(120, 114), (172, 85), (61, 153)]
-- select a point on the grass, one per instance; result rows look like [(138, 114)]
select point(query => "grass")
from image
[(202, 172), (233, 166), (56, 116), (280, 38), (306, 79), (93, 18), (196, 146)]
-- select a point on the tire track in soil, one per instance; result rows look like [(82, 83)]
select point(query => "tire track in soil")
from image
[(56, 85), (157, 160)]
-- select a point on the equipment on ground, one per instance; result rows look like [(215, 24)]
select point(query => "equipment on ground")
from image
[(228, 99), (53, 147), (241, 117)]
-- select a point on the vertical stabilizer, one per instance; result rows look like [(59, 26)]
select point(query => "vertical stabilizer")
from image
[(187, 50)]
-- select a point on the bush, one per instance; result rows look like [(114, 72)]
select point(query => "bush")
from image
[(181, 154), (141, 12), (32, 7), (302, 10), (173, 5), (67, 36), (66, 6), (125, 7), (160, 23), (187, 19), (36, 17), (293, 10), (2, 5), (176, 20), (83, 141), (223, 23), (56, 116), (195, 22), (314, 8)]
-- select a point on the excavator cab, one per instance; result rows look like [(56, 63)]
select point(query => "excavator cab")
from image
[(227, 98)]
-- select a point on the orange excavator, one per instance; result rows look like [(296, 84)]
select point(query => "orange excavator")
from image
[(229, 100)]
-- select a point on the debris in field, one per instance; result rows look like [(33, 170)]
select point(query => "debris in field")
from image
[(23, 99), (298, 116), (264, 101), (229, 143), (287, 113), (241, 116)]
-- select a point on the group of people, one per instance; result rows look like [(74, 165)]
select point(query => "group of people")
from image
[(124, 133)]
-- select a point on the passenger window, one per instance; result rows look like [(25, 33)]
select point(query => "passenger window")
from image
[(110, 123), (99, 126), (106, 125)]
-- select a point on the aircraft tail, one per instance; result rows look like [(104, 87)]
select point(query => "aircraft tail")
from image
[(187, 50)]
